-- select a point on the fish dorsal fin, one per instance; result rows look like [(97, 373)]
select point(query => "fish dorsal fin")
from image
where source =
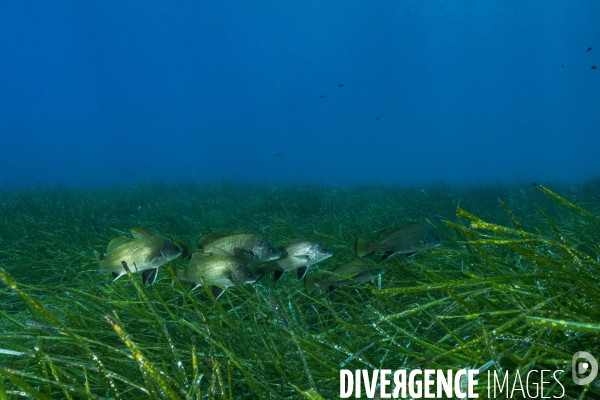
[(139, 233), (388, 232), (117, 242), (239, 232), (218, 252), (208, 238), (296, 240), (198, 256)]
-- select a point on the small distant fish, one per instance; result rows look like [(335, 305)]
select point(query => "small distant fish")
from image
[(280, 154), (37, 325), (298, 255), (341, 85), (144, 253), (321, 96), (562, 66), (406, 239), (589, 48), (376, 119), (240, 244), (353, 273), (221, 269), (593, 67)]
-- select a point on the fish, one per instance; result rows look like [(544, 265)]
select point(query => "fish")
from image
[(589, 48), (144, 253), (240, 244), (341, 85), (593, 67), (321, 96), (221, 269), (406, 239), (298, 254), (353, 273)]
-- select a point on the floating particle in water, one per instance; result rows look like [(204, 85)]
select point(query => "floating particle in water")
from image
[(341, 85), (589, 48), (377, 119), (321, 96)]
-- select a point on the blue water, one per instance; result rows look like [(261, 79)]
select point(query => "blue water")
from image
[(465, 91)]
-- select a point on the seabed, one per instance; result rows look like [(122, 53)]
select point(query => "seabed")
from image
[(514, 286)]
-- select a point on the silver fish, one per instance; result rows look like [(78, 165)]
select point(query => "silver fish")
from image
[(221, 269), (353, 273), (406, 239), (298, 254), (144, 253)]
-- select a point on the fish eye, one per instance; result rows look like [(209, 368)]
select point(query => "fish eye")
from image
[(271, 250), (323, 250)]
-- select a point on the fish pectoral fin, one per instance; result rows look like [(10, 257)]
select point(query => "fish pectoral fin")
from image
[(98, 255), (277, 275), (302, 272), (117, 275), (387, 255), (149, 276), (411, 254), (217, 291), (218, 252)]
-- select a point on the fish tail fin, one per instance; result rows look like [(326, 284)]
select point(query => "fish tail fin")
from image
[(98, 255), (312, 284), (364, 248)]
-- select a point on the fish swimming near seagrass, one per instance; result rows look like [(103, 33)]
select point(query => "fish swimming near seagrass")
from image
[(298, 255), (221, 269), (353, 273), (406, 239), (240, 244), (144, 253)]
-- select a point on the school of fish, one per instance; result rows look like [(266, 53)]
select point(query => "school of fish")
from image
[(223, 260)]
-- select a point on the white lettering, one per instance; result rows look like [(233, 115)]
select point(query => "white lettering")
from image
[(428, 383), (400, 382), (504, 382), (383, 383), (517, 378), (346, 376), (557, 381), (412, 384), (457, 391), (534, 384), (542, 383), (370, 386), (471, 381), (443, 383)]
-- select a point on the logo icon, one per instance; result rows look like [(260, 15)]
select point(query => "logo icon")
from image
[(581, 367)]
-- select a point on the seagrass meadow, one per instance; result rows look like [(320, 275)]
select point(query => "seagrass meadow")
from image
[(514, 286)]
